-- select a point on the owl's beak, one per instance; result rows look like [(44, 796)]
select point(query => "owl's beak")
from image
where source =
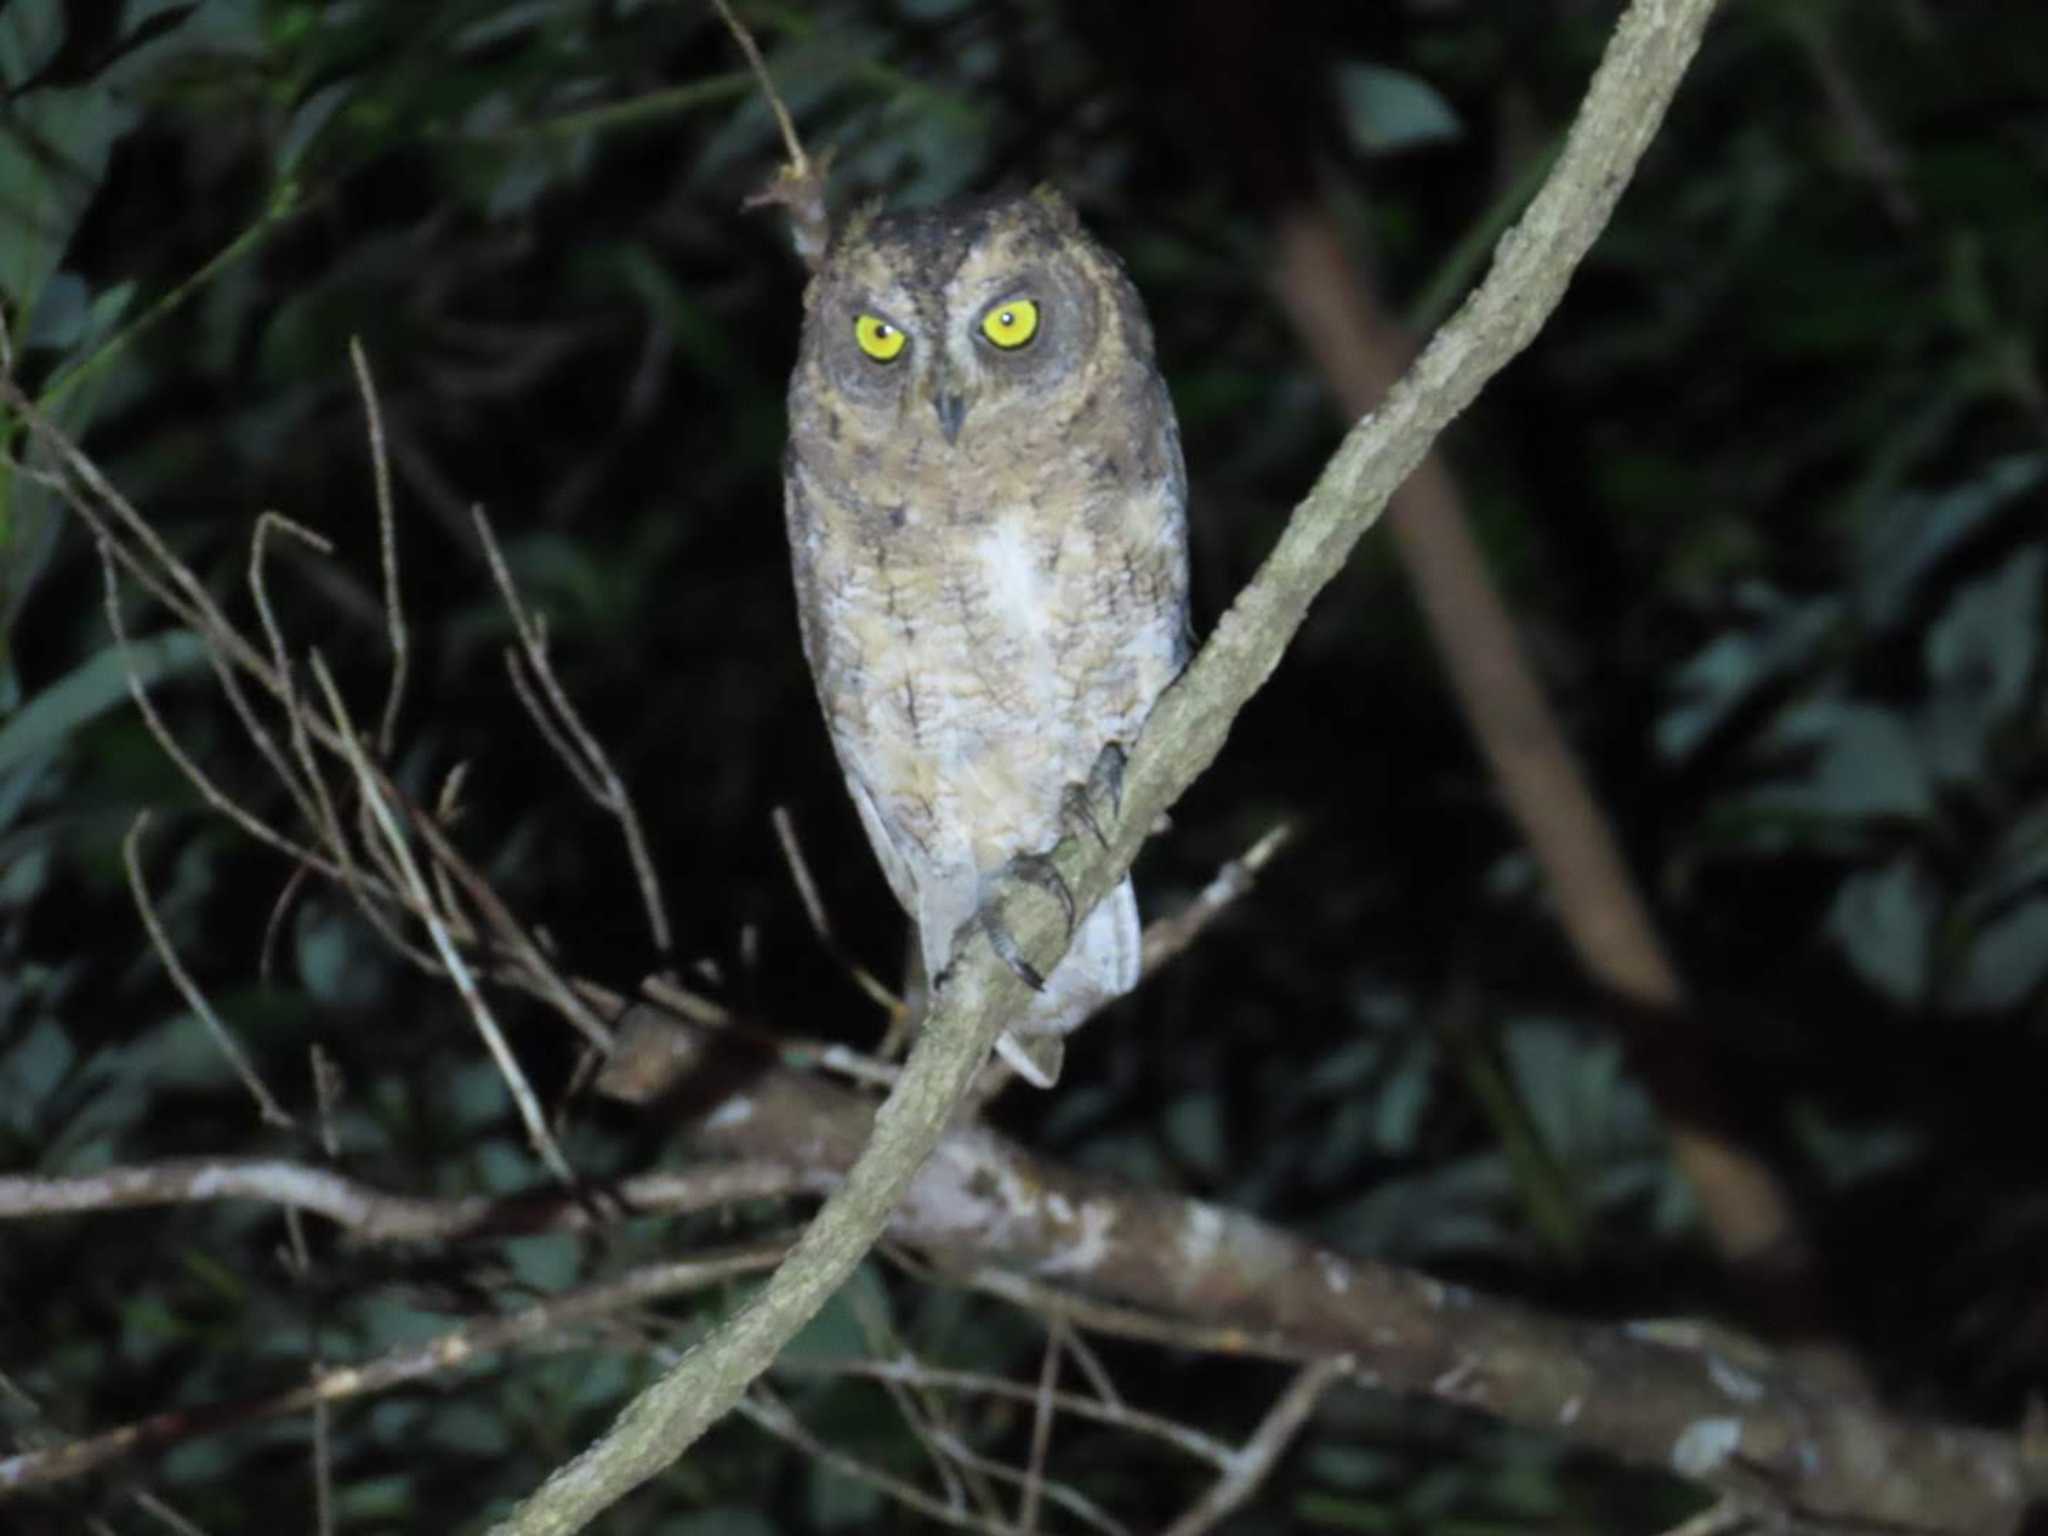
[(952, 408)]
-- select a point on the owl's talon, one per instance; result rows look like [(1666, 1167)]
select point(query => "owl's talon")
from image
[(1077, 812), (1034, 869), (1005, 945), (1106, 778)]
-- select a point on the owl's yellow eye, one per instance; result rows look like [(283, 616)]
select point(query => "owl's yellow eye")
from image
[(878, 338), (1010, 325)]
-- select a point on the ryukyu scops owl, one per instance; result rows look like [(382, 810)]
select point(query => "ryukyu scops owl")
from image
[(987, 516)]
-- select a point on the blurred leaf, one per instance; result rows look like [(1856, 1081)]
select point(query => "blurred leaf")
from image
[(1861, 761), (470, 1427), (1782, 637), (1884, 921), (87, 691), (837, 1501), (1388, 110), (1913, 534), (30, 1071), (547, 1261), (1980, 656), (836, 1333), (1194, 1128), (2007, 961), (1851, 1154)]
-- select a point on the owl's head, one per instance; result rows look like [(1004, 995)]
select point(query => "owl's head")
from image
[(956, 322)]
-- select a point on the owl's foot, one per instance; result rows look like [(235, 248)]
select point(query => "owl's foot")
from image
[(1033, 869), (1105, 783)]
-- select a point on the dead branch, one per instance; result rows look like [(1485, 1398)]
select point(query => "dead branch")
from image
[(372, 1215), (1148, 1264)]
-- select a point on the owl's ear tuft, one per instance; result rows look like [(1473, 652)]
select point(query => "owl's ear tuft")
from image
[(857, 225), (1054, 202)]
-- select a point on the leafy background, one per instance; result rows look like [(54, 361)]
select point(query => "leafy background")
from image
[(1767, 497)]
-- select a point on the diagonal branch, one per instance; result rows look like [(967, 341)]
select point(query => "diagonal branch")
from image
[(1652, 45)]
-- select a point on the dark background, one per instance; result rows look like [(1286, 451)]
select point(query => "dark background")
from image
[(1766, 497)]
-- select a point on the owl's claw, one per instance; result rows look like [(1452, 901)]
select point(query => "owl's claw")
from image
[(1034, 869), (1105, 782)]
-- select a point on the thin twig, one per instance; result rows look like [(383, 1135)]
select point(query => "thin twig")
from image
[(1167, 937), (372, 1215), (1041, 1431), (1255, 1459), (212, 793), (799, 162), (326, 820), (1090, 1363), (1073, 1502), (400, 849), (596, 774), (764, 1410), (1189, 1441), (131, 854), (387, 545), (821, 923)]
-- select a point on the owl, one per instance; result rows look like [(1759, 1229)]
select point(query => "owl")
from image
[(988, 523)]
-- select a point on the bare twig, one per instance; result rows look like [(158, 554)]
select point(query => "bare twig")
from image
[(1167, 937), (1074, 1503), (1041, 1431), (1184, 1438), (768, 1413), (399, 847), (799, 185), (821, 922), (1084, 1355), (387, 546), (588, 762), (372, 1215), (214, 796), (131, 854), (792, 145), (1254, 1460)]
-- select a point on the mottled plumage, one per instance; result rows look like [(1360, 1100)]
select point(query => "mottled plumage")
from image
[(990, 546)]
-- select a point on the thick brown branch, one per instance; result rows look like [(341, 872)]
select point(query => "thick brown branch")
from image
[(1224, 1280), (1361, 353)]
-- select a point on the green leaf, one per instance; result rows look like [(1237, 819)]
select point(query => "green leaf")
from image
[(1915, 532), (1980, 656), (1884, 922), (1862, 762), (2006, 963), (549, 1261), (836, 1332), (1388, 110), (90, 690), (1782, 637), (31, 1071)]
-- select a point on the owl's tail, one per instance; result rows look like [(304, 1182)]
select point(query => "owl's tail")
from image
[(1099, 966)]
